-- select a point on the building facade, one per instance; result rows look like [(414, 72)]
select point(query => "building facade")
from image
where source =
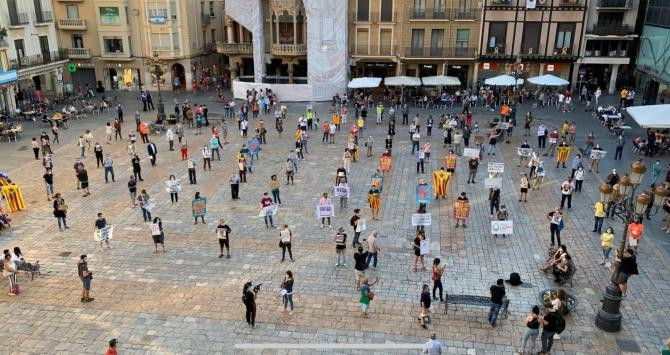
[(531, 37), (653, 60), (109, 41), (32, 50), (609, 44)]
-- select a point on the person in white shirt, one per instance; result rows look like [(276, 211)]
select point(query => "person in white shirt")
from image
[(567, 187), (109, 130), (206, 157), (373, 249), (432, 346), (170, 137)]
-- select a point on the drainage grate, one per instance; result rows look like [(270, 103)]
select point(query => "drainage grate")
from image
[(628, 346), (22, 148), (65, 253)]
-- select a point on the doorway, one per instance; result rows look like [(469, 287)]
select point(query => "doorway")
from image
[(178, 72)]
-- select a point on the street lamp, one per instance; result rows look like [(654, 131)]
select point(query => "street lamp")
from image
[(158, 72), (628, 209)]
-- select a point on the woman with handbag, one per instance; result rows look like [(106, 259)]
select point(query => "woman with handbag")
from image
[(60, 211), (9, 271), (287, 291), (285, 236)]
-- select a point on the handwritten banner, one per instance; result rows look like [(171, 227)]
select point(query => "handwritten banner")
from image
[(502, 227), (496, 167), (471, 152), (493, 183), (597, 154), (173, 186), (268, 211), (341, 191), (424, 248), (524, 152), (421, 219), (325, 211), (103, 234)]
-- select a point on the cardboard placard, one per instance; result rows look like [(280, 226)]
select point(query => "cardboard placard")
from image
[(173, 186), (421, 219), (424, 248), (325, 211), (597, 154), (471, 152), (360, 226), (341, 191), (496, 167), (103, 234), (502, 227), (155, 229), (524, 152), (268, 211)]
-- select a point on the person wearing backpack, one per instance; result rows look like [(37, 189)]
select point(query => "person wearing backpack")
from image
[(552, 323)]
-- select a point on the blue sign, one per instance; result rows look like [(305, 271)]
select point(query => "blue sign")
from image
[(7, 76), (157, 20), (423, 194)]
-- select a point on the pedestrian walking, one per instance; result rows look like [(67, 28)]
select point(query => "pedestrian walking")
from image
[(285, 237), (432, 346), (532, 323), (60, 211), (223, 235), (438, 271), (373, 249), (497, 294), (418, 256), (340, 239), (145, 204), (424, 300), (366, 295), (85, 275), (157, 234), (249, 301), (287, 291)]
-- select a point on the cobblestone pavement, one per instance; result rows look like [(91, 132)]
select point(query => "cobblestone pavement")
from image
[(188, 300)]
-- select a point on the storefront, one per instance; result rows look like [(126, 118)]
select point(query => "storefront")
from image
[(461, 71), (373, 69), (83, 75), (118, 77), (7, 84)]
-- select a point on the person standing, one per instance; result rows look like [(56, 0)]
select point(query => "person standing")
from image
[(620, 143), (373, 249), (274, 188), (109, 130), (420, 157), (223, 234), (340, 239), (249, 301), (325, 201), (109, 167), (60, 211), (353, 221), (494, 200), (132, 188), (152, 150), (169, 134), (523, 186), (346, 160), (287, 291), (366, 296), (373, 199), (607, 242), (567, 187), (635, 230), (416, 137), (416, 246), (190, 165), (214, 145), (85, 276), (473, 164), (145, 205), (432, 346), (200, 212), (532, 323), (285, 237), (626, 266), (579, 178), (158, 236), (173, 190), (49, 182), (111, 350), (206, 157), (266, 202), (549, 327), (137, 169), (425, 305), (555, 224), (437, 270), (36, 148), (82, 175), (599, 216), (497, 294), (234, 185)]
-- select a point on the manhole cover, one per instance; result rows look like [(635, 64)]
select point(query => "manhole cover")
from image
[(65, 253), (628, 346), (23, 147)]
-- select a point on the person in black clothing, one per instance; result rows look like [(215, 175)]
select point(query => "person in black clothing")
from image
[(152, 150), (150, 102), (132, 188), (60, 211), (494, 200), (137, 169), (354, 222), (549, 325), (425, 305), (360, 257), (497, 294), (627, 267), (98, 154), (249, 300), (223, 233)]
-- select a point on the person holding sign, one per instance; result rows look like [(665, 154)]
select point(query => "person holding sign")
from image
[(342, 185), (539, 175), (553, 142), (441, 180), (523, 185), (461, 209), (416, 245), (450, 161), (562, 154), (157, 234), (285, 236), (373, 199), (524, 152), (502, 216), (595, 158), (340, 239), (223, 234), (266, 202), (101, 223), (199, 207), (146, 205), (325, 201), (173, 186)]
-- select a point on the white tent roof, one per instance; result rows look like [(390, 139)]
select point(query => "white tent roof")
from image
[(361, 83), (402, 81), (548, 80), (652, 116), (441, 80), (502, 80)]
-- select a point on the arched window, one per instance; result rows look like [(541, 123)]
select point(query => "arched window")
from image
[(286, 28)]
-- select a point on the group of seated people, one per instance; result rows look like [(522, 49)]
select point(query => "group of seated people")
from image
[(561, 265), (5, 220), (19, 263)]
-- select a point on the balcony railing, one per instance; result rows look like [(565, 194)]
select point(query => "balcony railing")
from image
[(613, 4), (360, 17), (72, 24), (497, 50), (442, 14), (37, 59), (43, 17), (464, 15), (289, 49), (383, 17), (78, 53), (611, 53), (205, 19), (235, 48), (610, 30), (570, 3), (18, 19), (373, 50), (435, 52), (501, 2)]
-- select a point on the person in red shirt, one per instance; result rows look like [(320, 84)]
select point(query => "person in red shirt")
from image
[(266, 201), (635, 230), (112, 348)]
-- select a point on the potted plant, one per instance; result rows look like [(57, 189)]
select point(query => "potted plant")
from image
[(571, 301)]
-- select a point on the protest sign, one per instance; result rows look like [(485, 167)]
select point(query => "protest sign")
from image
[(360, 226), (341, 191), (424, 248), (421, 219), (173, 186), (268, 211), (155, 229), (496, 167), (524, 152), (199, 207), (103, 234), (325, 211), (597, 154), (471, 152), (423, 194), (493, 183), (502, 227)]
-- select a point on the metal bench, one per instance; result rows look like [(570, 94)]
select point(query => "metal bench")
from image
[(472, 300)]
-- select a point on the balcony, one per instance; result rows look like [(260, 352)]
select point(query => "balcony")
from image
[(372, 51), (289, 49), (622, 53), (610, 30), (78, 53), (72, 24), (234, 48), (17, 19), (464, 15), (43, 17), (434, 52), (613, 4), (37, 59), (360, 17), (442, 14), (205, 19), (570, 3), (498, 50), (383, 17)]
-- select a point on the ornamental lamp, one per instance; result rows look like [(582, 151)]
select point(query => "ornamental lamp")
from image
[(641, 203), (625, 185), (605, 192), (637, 170), (660, 193)]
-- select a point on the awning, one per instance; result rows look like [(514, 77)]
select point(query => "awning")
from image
[(402, 81), (362, 83), (548, 80), (502, 80), (7, 76), (441, 80), (652, 116)]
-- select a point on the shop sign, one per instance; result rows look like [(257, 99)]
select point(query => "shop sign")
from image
[(553, 67), (157, 20), (486, 66)]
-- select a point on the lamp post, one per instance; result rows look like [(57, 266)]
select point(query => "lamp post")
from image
[(158, 72), (627, 210)]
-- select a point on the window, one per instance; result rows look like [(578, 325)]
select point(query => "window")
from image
[(113, 45), (439, 9), (72, 12), (173, 10), (419, 9), (213, 37), (211, 9), (497, 37), (109, 15), (462, 38), (286, 35), (530, 43), (387, 11), (20, 49), (161, 41), (658, 13), (156, 14), (464, 8), (77, 41), (610, 18), (299, 25), (175, 41), (362, 39), (126, 13), (417, 42), (363, 10), (385, 40), (44, 48), (564, 37), (436, 42)]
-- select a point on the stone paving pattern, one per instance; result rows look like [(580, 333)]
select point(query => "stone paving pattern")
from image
[(188, 300)]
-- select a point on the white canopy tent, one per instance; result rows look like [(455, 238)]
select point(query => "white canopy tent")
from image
[(441, 80), (402, 81), (363, 83), (502, 80), (548, 80), (652, 116)]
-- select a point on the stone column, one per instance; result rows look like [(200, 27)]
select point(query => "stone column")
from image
[(475, 73), (615, 72), (229, 30)]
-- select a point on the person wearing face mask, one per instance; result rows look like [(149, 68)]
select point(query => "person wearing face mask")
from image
[(579, 178)]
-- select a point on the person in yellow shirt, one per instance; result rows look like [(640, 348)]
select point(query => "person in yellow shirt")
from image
[(599, 216), (607, 242), (622, 97)]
